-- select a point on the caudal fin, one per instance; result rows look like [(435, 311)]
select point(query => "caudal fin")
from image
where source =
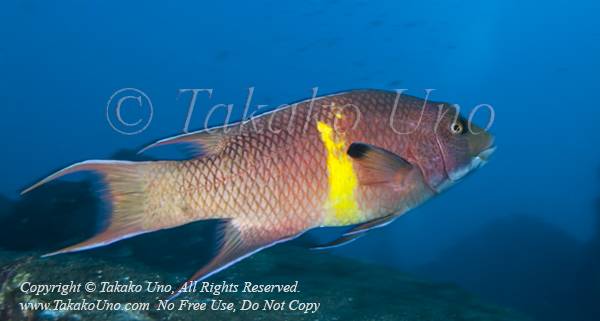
[(125, 193)]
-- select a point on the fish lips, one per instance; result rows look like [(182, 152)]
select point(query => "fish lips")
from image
[(485, 156), (476, 162)]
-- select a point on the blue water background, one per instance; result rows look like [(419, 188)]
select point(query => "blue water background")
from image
[(535, 62)]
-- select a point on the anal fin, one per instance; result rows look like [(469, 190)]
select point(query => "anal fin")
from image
[(239, 242)]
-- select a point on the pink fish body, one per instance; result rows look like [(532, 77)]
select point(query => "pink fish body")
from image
[(364, 156)]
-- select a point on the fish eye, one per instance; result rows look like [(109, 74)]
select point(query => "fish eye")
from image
[(456, 128)]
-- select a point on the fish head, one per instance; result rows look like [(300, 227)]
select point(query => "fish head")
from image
[(464, 146)]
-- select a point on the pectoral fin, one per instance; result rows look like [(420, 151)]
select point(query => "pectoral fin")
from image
[(382, 167), (240, 240)]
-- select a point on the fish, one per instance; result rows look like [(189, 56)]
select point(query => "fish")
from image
[(359, 158)]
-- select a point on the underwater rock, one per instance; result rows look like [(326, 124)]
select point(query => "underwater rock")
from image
[(535, 270), (68, 207), (5, 206), (345, 289)]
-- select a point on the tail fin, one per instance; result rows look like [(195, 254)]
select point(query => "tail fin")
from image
[(125, 192)]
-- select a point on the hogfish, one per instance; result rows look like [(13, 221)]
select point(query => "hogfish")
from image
[(361, 158)]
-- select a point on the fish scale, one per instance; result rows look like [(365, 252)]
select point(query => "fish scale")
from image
[(350, 158), (311, 168)]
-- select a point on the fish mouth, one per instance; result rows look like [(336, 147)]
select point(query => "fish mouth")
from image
[(482, 158), (477, 162), (487, 154)]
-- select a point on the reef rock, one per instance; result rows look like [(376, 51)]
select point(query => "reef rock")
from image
[(343, 288)]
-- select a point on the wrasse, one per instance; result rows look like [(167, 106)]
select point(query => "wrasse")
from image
[(361, 158)]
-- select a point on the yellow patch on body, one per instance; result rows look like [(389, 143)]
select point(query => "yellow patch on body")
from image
[(341, 205)]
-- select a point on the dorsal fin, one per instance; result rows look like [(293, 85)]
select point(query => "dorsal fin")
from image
[(382, 167), (202, 142)]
